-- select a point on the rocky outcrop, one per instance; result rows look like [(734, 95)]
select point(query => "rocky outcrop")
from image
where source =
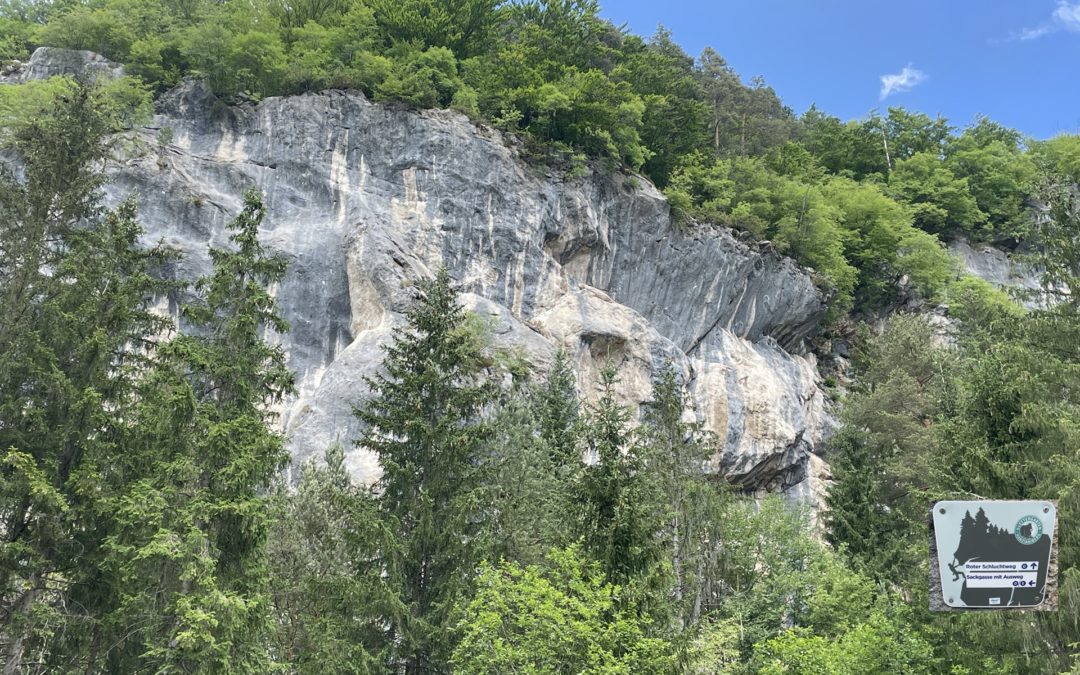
[(48, 62), (365, 199), (996, 267)]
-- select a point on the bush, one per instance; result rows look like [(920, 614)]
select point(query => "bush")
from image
[(976, 300), (425, 79), (559, 617)]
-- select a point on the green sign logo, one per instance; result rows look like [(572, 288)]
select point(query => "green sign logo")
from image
[(1028, 530)]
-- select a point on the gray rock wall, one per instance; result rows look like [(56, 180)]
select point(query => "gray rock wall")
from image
[(365, 199), (995, 266), (48, 62)]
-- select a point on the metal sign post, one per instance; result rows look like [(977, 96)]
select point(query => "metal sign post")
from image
[(993, 555)]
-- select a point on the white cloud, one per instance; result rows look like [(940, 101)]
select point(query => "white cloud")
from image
[(903, 81), (1066, 16), (1034, 33)]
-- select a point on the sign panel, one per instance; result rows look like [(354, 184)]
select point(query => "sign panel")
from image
[(994, 553)]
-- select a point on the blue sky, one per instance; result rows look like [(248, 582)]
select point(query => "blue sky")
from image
[(1017, 62)]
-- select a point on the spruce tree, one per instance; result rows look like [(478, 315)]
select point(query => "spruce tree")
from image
[(524, 490), (535, 459), (74, 300), (424, 421), (616, 502), (675, 452), (191, 519), (559, 413), (328, 593)]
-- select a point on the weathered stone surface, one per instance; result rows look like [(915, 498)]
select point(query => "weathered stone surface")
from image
[(48, 62), (365, 199), (995, 266)]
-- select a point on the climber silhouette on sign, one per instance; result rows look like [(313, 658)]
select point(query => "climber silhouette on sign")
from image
[(956, 574)]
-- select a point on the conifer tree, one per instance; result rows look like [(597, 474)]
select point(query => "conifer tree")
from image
[(857, 514), (424, 421), (528, 493), (675, 453), (616, 503), (188, 551), (535, 459), (326, 581), (74, 325), (559, 412)]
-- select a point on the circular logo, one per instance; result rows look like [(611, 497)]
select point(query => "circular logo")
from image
[(1028, 530)]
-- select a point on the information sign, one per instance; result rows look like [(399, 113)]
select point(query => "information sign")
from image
[(994, 553)]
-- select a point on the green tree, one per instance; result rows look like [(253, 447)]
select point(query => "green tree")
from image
[(800, 219), (463, 27), (535, 458), (942, 202), (795, 161), (294, 14), (1056, 249), (75, 293), (887, 446), (426, 79), (675, 121), (142, 35), (1060, 156), (551, 75), (562, 616), (756, 574), (999, 174), (530, 491), (854, 149), (912, 133), (559, 412), (325, 575), (237, 49), (881, 242), (424, 421), (675, 453), (988, 418), (190, 514), (880, 646), (617, 518), (342, 53), (745, 121)]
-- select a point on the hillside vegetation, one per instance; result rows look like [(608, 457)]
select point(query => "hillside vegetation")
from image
[(853, 200), (144, 521)]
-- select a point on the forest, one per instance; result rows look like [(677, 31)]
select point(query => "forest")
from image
[(147, 523)]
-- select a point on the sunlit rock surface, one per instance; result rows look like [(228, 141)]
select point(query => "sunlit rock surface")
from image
[(48, 62), (366, 199), (997, 267)]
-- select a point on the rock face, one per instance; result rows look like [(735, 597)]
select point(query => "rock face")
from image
[(995, 266), (48, 62), (366, 199)]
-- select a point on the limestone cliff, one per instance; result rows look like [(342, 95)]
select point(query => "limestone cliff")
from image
[(365, 199), (998, 268)]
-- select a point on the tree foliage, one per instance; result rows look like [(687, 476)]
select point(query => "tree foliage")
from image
[(190, 509), (146, 523), (563, 616), (75, 293), (424, 423), (614, 497), (328, 594), (993, 417)]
